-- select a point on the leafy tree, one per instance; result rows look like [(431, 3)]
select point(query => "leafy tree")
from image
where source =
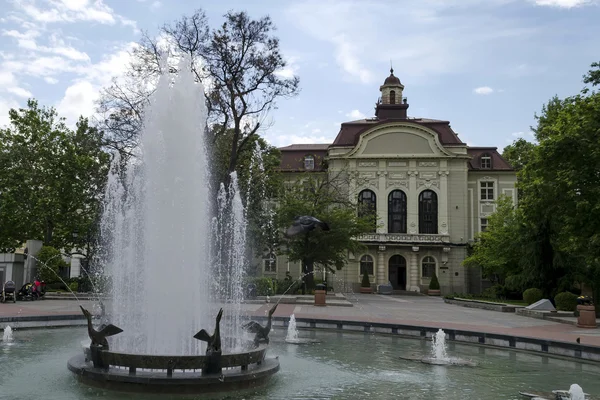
[(518, 153), (325, 198), (51, 177), (563, 180), (552, 240), (49, 263)]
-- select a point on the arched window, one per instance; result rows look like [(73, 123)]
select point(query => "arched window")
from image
[(367, 205), (270, 263), (309, 162), (428, 267), (397, 212), (486, 161), (392, 97), (366, 264), (428, 212)]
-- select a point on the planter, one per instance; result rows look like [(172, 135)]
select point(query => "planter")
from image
[(432, 292), (366, 290), (587, 317)]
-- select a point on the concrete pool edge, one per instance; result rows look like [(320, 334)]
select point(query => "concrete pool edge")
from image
[(511, 342)]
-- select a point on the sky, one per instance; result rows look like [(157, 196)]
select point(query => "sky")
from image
[(487, 66)]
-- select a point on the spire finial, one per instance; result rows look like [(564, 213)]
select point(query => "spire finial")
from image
[(391, 68)]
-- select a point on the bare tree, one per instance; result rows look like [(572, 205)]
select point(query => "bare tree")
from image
[(239, 64)]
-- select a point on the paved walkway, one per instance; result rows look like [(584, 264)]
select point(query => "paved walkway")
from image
[(410, 310)]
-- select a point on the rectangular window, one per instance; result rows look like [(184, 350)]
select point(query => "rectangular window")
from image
[(486, 162), (484, 224), (487, 190), (270, 263)]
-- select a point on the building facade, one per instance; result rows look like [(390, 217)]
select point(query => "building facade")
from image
[(431, 193)]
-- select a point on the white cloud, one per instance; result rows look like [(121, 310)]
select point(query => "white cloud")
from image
[(19, 91), (50, 80), (355, 114), (79, 99), (7, 78), (290, 70), (155, 5), (5, 106), (523, 134), (434, 38), (564, 3), (483, 90), (285, 140)]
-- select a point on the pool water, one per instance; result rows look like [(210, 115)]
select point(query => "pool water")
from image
[(342, 366)]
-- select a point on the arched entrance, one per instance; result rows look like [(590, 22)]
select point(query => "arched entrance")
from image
[(397, 272)]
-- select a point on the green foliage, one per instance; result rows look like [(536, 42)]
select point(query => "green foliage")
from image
[(326, 198), (49, 263), (366, 283), (532, 295), (434, 283), (518, 153), (551, 240), (265, 286), (73, 286), (51, 177), (566, 301)]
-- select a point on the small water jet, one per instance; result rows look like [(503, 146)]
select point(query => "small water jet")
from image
[(7, 336), (292, 334), (439, 354), (575, 392)]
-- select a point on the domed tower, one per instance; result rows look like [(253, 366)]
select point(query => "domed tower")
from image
[(391, 105)]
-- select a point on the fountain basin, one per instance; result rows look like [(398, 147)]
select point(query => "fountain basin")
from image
[(174, 374)]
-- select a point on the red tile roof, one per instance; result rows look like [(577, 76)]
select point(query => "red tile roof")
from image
[(351, 131), (292, 157), (498, 162)]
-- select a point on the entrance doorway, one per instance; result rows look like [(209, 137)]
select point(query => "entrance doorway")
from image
[(397, 272)]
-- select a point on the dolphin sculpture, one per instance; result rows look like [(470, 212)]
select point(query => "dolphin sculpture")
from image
[(261, 333), (99, 336), (213, 342), (305, 224)]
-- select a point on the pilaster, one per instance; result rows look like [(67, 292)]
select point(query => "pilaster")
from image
[(414, 271), (413, 199), (443, 211), (381, 275)]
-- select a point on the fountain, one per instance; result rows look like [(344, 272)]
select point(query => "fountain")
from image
[(7, 335), (292, 334), (439, 354), (575, 392), (157, 230)]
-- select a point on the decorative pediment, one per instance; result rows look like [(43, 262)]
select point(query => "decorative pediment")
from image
[(400, 139)]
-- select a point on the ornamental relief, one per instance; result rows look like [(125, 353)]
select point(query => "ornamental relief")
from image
[(427, 163), (396, 183), (367, 164), (428, 183)]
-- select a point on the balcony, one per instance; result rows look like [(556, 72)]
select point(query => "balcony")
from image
[(403, 238)]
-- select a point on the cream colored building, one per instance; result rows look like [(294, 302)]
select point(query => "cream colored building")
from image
[(431, 192)]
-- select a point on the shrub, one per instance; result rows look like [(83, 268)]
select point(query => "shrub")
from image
[(434, 284), (265, 286), (73, 286), (49, 263), (566, 301), (532, 295), (366, 283)]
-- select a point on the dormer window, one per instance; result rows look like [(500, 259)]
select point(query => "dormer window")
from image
[(309, 162), (392, 97), (486, 161)]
